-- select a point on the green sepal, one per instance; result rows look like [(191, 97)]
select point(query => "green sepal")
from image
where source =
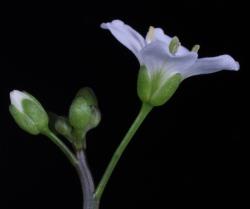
[(79, 113), (36, 113), (165, 91), (89, 95), (144, 84), (95, 119), (23, 121)]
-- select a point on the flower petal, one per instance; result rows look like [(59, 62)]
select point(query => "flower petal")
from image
[(156, 56), (16, 98), (126, 35), (182, 51), (159, 35), (211, 65)]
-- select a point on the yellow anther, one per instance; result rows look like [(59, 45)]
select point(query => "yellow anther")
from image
[(195, 48), (174, 45)]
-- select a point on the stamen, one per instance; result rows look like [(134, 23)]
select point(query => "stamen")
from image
[(174, 45), (195, 48), (150, 34)]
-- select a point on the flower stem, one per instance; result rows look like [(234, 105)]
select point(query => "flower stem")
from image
[(145, 109), (80, 163), (62, 147), (87, 182)]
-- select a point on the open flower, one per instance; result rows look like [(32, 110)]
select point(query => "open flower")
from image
[(164, 62)]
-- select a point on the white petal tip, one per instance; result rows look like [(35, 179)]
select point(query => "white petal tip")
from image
[(117, 22), (104, 26), (237, 66), (230, 63), (16, 98), (114, 22), (15, 94)]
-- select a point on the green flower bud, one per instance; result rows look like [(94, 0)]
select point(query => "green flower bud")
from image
[(83, 116), (79, 113), (28, 112), (63, 127)]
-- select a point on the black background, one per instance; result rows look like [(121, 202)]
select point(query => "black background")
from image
[(190, 153)]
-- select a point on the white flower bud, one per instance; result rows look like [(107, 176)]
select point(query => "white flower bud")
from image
[(28, 112)]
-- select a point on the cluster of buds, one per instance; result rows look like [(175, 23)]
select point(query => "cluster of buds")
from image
[(83, 116)]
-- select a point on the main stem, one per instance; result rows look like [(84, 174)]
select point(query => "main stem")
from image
[(87, 182), (145, 109), (80, 163)]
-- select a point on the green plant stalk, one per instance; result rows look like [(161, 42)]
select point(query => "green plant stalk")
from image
[(71, 157), (145, 109)]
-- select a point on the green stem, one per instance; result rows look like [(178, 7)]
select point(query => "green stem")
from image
[(62, 147), (145, 109)]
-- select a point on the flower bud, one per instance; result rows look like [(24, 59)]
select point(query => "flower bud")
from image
[(79, 113), (89, 95), (28, 112), (63, 127), (83, 116)]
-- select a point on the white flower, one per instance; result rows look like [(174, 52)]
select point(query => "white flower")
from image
[(153, 52), (164, 62)]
